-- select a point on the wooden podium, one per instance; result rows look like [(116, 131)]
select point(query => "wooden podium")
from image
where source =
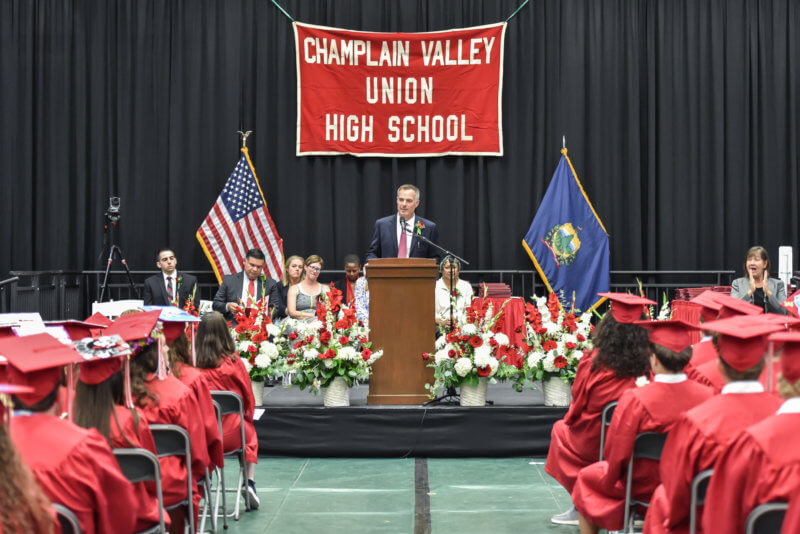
[(401, 322)]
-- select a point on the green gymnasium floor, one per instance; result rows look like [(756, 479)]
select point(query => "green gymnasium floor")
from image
[(338, 495)]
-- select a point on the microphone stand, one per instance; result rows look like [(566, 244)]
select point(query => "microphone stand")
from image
[(450, 395)]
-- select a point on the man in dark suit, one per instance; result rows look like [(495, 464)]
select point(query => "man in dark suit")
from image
[(245, 288), (395, 236), (170, 287)]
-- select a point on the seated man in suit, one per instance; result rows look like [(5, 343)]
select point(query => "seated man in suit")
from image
[(396, 235), (243, 289), (170, 288)]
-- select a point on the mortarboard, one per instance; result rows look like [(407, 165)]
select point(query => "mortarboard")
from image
[(732, 307), (103, 357), (742, 341), (627, 308), (673, 334), (711, 306)]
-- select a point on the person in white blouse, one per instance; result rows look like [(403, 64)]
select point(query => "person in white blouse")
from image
[(450, 287)]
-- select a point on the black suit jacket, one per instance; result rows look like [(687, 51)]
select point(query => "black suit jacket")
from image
[(231, 291), (155, 291), (384, 239)]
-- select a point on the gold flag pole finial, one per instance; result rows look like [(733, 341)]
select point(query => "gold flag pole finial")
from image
[(244, 136)]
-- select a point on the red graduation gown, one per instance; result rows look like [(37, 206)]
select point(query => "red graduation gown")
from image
[(126, 435), (575, 440), (694, 444), (791, 523), (599, 493), (761, 465), (193, 379), (702, 352), (711, 371), (75, 467), (232, 375), (177, 405)]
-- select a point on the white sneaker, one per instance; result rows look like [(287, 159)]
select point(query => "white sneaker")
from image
[(569, 517)]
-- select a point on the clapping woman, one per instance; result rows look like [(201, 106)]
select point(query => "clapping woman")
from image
[(756, 287)]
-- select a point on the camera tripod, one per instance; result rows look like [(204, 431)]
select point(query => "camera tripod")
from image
[(113, 215)]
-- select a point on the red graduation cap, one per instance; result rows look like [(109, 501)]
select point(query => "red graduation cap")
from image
[(673, 334), (627, 308), (103, 357), (743, 340), (99, 318), (135, 326), (37, 361), (78, 330), (711, 306), (731, 307), (790, 356)]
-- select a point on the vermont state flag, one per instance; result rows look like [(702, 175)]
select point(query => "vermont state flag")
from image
[(567, 241)]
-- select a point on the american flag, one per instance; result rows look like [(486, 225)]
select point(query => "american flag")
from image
[(238, 221)]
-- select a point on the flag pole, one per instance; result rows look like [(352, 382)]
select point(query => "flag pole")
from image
[(564, 141)]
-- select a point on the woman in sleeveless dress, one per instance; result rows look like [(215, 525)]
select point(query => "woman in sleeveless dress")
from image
[(302, 298)]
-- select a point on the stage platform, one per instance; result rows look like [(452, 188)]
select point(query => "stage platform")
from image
[(295, 423)]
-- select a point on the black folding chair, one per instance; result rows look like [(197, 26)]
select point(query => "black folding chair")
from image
[(231, 403), (605, 422), (173, 440), (67, 519), (766, 518), (698, 496), (141, 465), (647, 446)]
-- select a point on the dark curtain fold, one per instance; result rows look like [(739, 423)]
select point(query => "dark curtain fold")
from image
[(681, 118)]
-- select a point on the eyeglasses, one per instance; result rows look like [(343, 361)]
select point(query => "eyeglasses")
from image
[(314, 269)]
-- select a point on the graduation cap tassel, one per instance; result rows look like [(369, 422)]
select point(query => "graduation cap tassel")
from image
[(162, 366), (128, 393), (70, 385), (194, 348)]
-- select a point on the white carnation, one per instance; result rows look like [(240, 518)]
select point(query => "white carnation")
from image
[(247, 365), (469, 329), (569, 338), (262, 361), (347, 353), (552, 328), (310, 354), (642, 381), (273, 330), (483, 355), (268, 349), (501, 338), (440, 356), (486, 337), (577, 354), (549, 362), (463, 366), (534, 358)]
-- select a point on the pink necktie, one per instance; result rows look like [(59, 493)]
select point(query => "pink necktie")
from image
[(402, 249)]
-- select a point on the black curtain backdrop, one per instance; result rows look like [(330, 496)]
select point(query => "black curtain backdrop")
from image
[(681, 118)]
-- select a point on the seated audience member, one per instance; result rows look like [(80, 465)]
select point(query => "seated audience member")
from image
[(180, 363), (293, 274), (456, 290), (702, 433), (99, 404), (756, 287), (302, 298), (223, 370), (73, 466), (24, 507), (162, 398), (241, 291), (362, 300), (618, 358), (599, 494), (347, 285), (762, 464)]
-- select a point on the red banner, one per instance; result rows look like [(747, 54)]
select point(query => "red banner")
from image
[(399, 94)]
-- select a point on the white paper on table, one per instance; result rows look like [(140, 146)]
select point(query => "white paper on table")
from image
[(257, 413)]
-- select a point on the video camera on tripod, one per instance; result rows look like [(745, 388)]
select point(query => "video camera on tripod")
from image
[(113, 212)]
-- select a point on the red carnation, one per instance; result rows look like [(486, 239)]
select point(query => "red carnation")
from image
[(560, 362), (292, 336), (484, 371), (299, 344), (342, 324), (549, 345), (425, 355), (493, 342), (252, 349), (570, 345), (253, 328), (451, 353), (325, 336), (241, 329), (309, 338), (330, 354), (476, 341), (367, 354), (344, 340), (581, 338)]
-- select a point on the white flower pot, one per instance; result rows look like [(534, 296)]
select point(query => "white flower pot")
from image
[(474, 395), (337, 393), (556, 392), (258, 392)]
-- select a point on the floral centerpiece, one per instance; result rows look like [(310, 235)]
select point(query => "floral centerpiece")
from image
[(252, 335), (557, 340), (332, 351), (472, 353)]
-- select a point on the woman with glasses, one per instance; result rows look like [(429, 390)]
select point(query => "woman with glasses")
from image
[(302, 298)]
